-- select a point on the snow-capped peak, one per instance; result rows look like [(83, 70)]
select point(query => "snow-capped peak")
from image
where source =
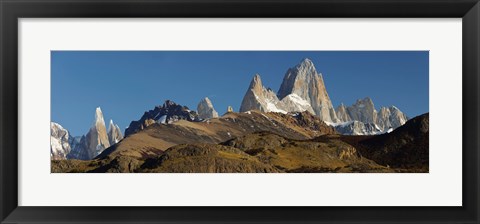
[(205, 109), (99, 116), (114, 133), (59, 142), (306, 62)]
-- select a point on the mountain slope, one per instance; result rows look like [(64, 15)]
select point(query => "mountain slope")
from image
[(316, 148), (406, 147), (323, 154), (159, 137), (206, 158), (152, 141)]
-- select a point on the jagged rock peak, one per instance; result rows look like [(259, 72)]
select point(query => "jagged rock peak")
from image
[(363, 110), (306, 63), (94, 142), (391, 118), (256, 81), (260, 98), (99, 116), (365, 101), (342, 113), (114, 133), (168, 113), (97, 138), (304, 81), (169, 103), (206, 110)]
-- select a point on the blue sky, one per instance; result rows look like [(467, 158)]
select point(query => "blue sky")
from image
[(125, 84)]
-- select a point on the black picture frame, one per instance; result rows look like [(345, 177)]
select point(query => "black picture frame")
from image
[(12, 10)]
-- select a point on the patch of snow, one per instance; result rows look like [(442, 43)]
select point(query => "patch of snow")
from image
[(340, 124), (298, 100), (162, 119), (55, 145), (272, 108), (326, 122)]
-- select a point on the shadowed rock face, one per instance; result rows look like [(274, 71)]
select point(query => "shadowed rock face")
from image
[(325, 153), (168, 112), (205, 109), (206, 158), (304, 81), (406, 147)]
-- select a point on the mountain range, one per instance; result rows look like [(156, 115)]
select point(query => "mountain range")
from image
[(303, 89), (296, 129), (88, 146)]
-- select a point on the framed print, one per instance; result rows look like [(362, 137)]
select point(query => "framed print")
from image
[(249, 112)]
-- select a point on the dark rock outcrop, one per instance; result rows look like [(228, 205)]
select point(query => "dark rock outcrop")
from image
[(167, 113)]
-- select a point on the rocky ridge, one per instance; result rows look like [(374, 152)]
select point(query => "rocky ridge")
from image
[(303, 89), (362, 118), (87, 146), (167, 113)]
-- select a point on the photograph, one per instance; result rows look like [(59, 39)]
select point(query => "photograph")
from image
[(166, 111), (239, 112)]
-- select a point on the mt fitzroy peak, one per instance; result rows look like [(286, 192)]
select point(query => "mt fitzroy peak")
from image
[(304, 81), (302, 89)]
